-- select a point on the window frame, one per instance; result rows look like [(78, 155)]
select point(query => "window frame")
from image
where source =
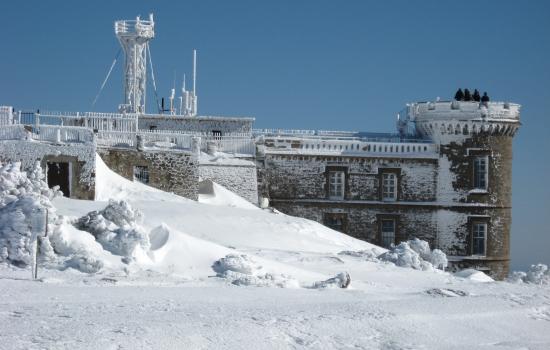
[(341, 174), (474, 232), (386, 194), (141, 172), (383, 237), (480, 180), (343, 217)]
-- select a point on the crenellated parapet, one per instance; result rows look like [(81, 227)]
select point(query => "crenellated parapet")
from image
[(448, 121)]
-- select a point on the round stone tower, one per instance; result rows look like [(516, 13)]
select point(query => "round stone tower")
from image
[(474, 180)]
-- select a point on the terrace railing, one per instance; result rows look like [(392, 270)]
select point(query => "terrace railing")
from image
[(316, 146), (230, 144), (47, 133)]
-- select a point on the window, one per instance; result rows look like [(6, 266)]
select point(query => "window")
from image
[(336, 221), (389, 186), (141, 174), (481, 172), (479, 234), (152, 127), (387, 233), (336, 184)]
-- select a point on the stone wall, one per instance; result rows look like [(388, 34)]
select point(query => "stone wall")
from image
[(305, 176), (170, 171), (80, 156), (241, 179), (435, 199)]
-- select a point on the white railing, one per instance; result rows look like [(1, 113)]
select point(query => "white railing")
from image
[(166, 139), (6, 115), (12, 132), (93, 120), (116, 139), (63, 134), (230, 144), (48, 133), (315, 146)]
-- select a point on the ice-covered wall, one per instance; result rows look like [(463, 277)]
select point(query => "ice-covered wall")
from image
[(203, 125), (80, 155)]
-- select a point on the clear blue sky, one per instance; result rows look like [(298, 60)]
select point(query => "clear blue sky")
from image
[(306, 64)]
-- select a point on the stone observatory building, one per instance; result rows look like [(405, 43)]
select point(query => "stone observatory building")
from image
[(444, 176)]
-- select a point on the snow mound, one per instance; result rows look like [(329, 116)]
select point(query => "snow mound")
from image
[(415, 254), (341, 280), (473, 275), (367, 254), (243, 270), (117, 229), (444, 292), (215, 194), (159, 236), (25, 203), (537, 274)]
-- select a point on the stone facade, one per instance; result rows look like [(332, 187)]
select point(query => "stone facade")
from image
[(170, 171), (80, 158), (438, 197), (445, 177), (241, 179)]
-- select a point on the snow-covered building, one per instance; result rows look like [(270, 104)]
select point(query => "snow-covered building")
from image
[(444, 176)]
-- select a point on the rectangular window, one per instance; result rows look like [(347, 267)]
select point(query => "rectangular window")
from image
[(481, 172), (479, 238), (141, 174), (336, 184), (335, 221), (152, 127), (387, 233), (389, 186)]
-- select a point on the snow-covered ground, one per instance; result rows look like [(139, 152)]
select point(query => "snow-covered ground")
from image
[(169, 273)]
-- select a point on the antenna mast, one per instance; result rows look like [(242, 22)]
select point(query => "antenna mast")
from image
[(133, 36)]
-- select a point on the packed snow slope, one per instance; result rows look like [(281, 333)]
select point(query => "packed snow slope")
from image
[(142, 269)]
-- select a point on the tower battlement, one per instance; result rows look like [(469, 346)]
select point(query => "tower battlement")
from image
[(447, 121)]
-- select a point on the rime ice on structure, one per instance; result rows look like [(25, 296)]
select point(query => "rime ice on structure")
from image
[(134, 37), (444, 176)]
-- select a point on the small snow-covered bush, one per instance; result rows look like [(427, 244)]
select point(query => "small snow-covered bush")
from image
[(537, 274), (415, 254), (24, 200), (116, 228)]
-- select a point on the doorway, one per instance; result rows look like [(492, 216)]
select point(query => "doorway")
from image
[(59, 175)]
